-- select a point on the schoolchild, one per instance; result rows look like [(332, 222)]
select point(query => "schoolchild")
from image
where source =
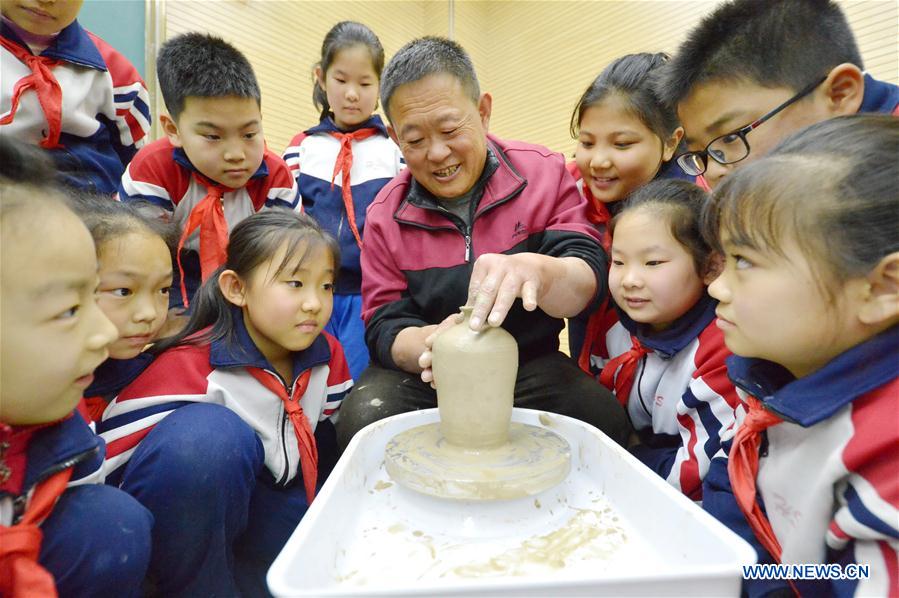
[(227, 434), (665, 358), (751, 73), (626, 138), (61, 530), (68, 91), (212, 169), (134, 254), (341, 163), (809, 304)]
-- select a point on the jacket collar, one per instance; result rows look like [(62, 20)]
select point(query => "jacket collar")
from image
[(816, 397), (682, 332), (498, 183), (328, 125), (72, 45), (239, 350), (51, 447), (880, 96), (115, 374)]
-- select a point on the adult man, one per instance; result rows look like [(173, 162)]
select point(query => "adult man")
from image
[(473, 219)]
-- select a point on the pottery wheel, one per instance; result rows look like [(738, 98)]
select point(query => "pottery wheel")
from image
[(533, 460)]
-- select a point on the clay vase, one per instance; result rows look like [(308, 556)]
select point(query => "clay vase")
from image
[(475, 376)]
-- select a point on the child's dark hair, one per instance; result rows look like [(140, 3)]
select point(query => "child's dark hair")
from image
[(830, 187), (203, 66), (253, 241), (345, 34), (680, 203), (771, 43), (27, 175), (631, 78), (107, 219)]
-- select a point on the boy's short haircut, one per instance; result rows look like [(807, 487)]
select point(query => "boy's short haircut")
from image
[(770, 43), (204, 66)]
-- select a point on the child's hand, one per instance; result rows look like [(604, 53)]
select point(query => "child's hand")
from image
[(427, 374)]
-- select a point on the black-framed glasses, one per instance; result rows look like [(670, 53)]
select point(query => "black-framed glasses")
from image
[(733, 147)]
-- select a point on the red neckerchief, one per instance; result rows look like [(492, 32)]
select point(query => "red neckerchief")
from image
[(599, 215), (594, 342), (301, 426), (21, 576), (344, 164), (209, 216), (45, 85), (628, 361), (743, 469)]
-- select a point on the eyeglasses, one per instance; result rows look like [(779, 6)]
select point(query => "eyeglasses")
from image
[(733, 147)]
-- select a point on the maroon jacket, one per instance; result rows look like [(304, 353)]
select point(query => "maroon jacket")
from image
[(417, 258)]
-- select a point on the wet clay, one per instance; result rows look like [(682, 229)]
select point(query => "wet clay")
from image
[(475, 452), (474, 372), (532, 460)]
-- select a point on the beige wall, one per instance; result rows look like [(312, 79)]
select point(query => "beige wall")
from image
[(534, 56)]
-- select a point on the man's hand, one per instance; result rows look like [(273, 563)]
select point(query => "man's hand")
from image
[(560, 286), (497, 280), (426, 358)]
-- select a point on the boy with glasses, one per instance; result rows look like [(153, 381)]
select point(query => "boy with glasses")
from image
[(753, 72)]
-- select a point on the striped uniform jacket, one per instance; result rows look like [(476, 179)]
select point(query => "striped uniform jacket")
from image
[(311, 157), (31, 454), (165, 176), (829, 473), (105, 107), (681, 403), (219, 373)]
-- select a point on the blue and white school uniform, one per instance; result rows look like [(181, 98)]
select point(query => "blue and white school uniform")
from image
[(316, 158)]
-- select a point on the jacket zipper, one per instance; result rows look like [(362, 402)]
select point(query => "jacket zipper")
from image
[(20, 502), (283, 478), (640, 390)]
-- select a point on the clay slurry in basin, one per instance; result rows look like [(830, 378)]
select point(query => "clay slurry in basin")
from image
[(475, 452)]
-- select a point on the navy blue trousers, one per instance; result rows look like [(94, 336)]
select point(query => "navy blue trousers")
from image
[(96, 542), (346, 326), (220, 518)]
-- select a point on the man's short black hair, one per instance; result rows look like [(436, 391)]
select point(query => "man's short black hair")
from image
[(424, 56), (771, 43), (205, 66)]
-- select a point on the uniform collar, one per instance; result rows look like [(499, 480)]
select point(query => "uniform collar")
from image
[(239, 350), (328, 125), (115, 374), (45, 449), (681, 333), (816, 397), (879, 96), (181, 159), (72, 44)]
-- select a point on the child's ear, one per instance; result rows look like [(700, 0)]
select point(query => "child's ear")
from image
[(670, 145), (880, 302), (170, 128), (319, 77), (233, 288), (844, 89)]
